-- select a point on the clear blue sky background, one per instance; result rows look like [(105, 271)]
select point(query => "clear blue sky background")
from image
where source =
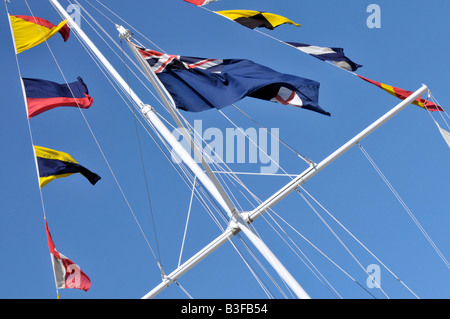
[(93, 226)]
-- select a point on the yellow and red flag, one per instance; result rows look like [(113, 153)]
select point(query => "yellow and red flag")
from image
[(403, 94), (31, 31)]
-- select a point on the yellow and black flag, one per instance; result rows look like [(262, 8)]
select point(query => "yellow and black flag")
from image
[(256, 19)]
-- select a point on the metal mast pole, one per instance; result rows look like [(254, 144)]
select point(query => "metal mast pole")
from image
[(283, 192), (151, 116), (170, 105)]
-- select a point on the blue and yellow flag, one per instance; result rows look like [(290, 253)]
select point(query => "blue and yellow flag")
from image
[(55, 164)]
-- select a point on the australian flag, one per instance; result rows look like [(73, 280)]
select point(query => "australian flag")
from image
[(198, 84)]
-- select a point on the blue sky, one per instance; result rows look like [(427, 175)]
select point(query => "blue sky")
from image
[(93, 226)]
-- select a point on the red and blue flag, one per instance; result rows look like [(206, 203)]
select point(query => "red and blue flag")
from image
[(43, 95)]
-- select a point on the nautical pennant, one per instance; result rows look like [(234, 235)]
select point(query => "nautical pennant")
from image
[(43, 95), (200, 2), (31, 31), (55, 164), (67, 274), (335, 55), (256, 19), (199, 84), (403, 94), (445, 134)]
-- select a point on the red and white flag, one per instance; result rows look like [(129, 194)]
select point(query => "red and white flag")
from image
[(200, 2), (67, 274)]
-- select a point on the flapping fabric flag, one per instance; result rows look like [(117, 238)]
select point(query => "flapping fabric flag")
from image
[(335, 55), (256, 19), (198, 84), (445, 134), (200, 2), (67, 274), (55, 164), (43, 95), (403, 94), (31, 31)]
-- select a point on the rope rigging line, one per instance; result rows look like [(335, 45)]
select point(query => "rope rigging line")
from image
[(143, 166), (187, 221), (110, 47), (307, 160), (358, 241), (125, 23), (434, 100), (327, 61), (203, 203), (308, 263), (303, 157), (103, 154), (444, 120), (184, 290), (406, 208), (214, 163), (353, 255), (259, 201), (321, 252), (193, 192), (263, 286), (311, 207), (333, 65), (201, 199), (131, 60), (26, 111), (29, 127), (341, 242)]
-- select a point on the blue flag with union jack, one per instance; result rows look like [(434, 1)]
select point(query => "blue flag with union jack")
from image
[(198, 84)]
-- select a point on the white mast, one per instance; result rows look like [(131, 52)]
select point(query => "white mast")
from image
[(150, 115)]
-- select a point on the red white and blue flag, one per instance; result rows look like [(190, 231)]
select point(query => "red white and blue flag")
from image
[(335, 55), (199, 84)]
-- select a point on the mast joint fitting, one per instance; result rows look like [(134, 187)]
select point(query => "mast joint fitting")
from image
[(146, 109), (123, 33)]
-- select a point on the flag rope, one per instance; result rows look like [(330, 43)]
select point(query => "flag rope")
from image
[(403, 204), (109, 166), (30, 131), (285, 43), (326, 61), (281, 41), (185, 172)]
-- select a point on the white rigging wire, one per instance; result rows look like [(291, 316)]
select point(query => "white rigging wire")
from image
[(155, 97), (358, 241), (406, 208), (100, 149), (201, 199), (259, 201), (105, 158), (187, 221)]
